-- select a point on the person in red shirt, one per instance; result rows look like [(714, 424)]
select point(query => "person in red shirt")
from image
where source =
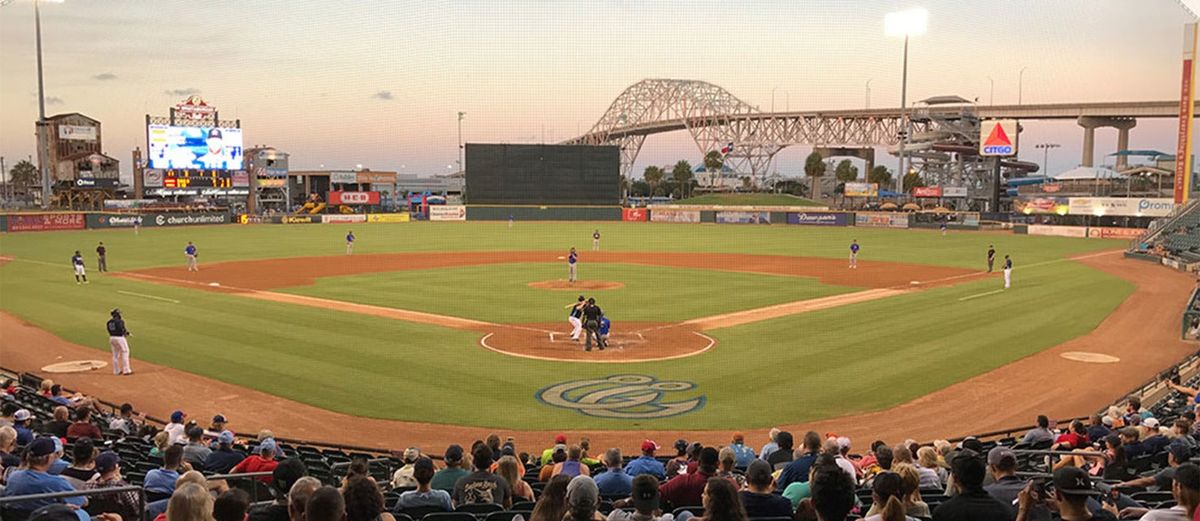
[(1076, 438), (83, 426), (686, 490), (264, 461)]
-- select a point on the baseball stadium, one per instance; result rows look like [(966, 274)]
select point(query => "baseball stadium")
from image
[(969, 335)]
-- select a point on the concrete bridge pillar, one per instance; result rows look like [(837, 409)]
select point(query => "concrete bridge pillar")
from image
[(1091, 123), (866, 154), (1123, 140)]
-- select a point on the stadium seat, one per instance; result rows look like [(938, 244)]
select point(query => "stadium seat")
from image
[(697, 511), (480, 509), (507, 515), (420, 512), (450, 516), (524, 505)]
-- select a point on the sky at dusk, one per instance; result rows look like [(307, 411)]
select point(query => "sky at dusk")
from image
[(379, 83)]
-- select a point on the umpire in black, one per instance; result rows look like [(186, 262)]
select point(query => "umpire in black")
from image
[(591, 324)]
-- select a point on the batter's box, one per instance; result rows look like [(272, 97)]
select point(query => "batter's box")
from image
[(613, 338)]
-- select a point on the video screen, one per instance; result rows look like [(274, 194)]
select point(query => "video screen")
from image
[(201, 148)]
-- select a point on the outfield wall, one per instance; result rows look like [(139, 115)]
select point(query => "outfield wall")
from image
[(543, 213)]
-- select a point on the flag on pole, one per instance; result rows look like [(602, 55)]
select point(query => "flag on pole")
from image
[(725, 150)]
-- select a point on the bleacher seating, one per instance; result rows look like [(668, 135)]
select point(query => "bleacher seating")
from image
[(1178, 236)]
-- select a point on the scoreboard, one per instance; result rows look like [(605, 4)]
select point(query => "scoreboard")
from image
[(198, 178)]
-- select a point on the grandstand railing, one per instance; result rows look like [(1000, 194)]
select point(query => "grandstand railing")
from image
[(6, 500)]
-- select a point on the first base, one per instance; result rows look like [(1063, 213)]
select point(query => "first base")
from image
[(214, 284)]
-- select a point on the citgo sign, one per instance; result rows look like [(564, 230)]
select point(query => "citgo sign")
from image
[(996, 138)]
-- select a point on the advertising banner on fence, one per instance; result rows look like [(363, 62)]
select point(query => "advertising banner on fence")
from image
[(46, 221), (1122, 206), (674, 216), (954, 191), (107, 220), (354, 198), (819, 218), (300, 219), (927, 191), (744, 217), (1041, 205), (343, 218), (862, 190), (387, 217), (447, 213), (1104, 232), (881, 219), (635, 214), (1058, 231)]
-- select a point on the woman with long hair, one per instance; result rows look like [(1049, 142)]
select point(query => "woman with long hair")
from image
[(721, 502), (552, 506), (910, 491), (927, 458), (510, 469), (363, 501), (190, 502), (886, 491)]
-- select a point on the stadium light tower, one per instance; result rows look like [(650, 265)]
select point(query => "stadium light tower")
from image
[(907, 23), (1046, 154), (461, 167)]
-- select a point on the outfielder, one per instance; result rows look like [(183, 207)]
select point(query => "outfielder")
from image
[(991, 259), (77, 263), (190, 252), (1007, 272), (854, 254), (118, 343), (572, 259), (350, 242), (596, 240), (575, 317)]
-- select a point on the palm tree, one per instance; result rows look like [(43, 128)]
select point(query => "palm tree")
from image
[(682, 174), (814, 168), (653, 175), (24, 175)]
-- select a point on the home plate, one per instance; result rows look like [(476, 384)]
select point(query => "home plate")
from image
[(214, 284)]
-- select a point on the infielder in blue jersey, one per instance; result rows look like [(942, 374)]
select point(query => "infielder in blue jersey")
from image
[(572, 260), (854, 254), (350, 242), (190, 252), (77, 263)]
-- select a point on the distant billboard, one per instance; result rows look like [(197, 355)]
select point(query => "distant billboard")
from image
[(78, 132), (998, 137), (194, 148), (862, 190)]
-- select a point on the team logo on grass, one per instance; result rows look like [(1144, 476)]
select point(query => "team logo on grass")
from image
[(625, 396)]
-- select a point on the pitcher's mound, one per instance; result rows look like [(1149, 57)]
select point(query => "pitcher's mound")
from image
[(562, 285)]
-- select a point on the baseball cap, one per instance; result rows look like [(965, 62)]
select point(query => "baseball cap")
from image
[(1180, 452), (58, 446), (508, 450), (645, 494), (582, 491), (1073, 481), (219, 419), (225, 438), (1150, 422), (453, 453), (266, 445), (843, 442), (1107, 420), (973, 444), (998, 454), (560, 439), (107, 461), (116, 311), (21, 415), (737, 436), (411, 454), (649, 446), (178, 416), (41, 447)]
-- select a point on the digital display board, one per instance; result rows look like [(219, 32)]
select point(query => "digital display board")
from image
[(196, 148), (197, 179), (543, 174)]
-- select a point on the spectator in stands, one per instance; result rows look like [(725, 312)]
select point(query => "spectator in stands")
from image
[(445, 479), (721, 503), (21, 420), (59, 464), (883, 462), (832, 448), (286, 474), (161, 441), (160, 482), (943, 451), (1153, 440), (1097, 430), (869, 460), (264, 461), (1040, 434), (403, 477), (482, 486), (358, 468), (758, 497), (326, 504), (584, 457), (83, 426), (572, 466), (726, 459), (614, 481), (1076, 437), (685, 490), (559, 456), (678, 465), (58, 426), (265, 435), (972, 503), (797, 470), (176, 431), (1176, 455), (425, 495), (886, 491), (190, 503), (910, 491), (195, 452), (1006, 486), (6, 413), (929, 477), (510, 469), (583, 498), (772, 445), (1072, 489), (1130, 440), (1179, 434), (298, 496), (127, 422), (364, 502), (743, 454), (782, 456), (552, 506), (832, 495), (843, 444), (222, 460), (646, 463), (644, 499), (1134, 413), (155, 509), (927, 459), (34, 478), (83, 463), (548, 454), (218, 425), (8, 444), (231, 505), (108, 467), (1185, 488)]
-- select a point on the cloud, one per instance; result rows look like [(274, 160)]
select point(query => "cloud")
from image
[(385, 95), (190, 91), (105, 76), (54, 100)]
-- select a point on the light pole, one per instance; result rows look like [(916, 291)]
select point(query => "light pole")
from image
[(905, 23), (868, 95), (42, 138), (461, 167), (1046, 155), (991, 91), (1020, 84)]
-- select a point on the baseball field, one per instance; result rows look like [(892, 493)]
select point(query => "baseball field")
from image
[(464, 323)]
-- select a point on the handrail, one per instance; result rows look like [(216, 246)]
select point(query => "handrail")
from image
[(241, 475), (1167, 222), (1084, 453), (341, 464), (75, 493)]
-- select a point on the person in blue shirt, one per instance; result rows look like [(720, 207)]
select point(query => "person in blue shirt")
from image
[(605, 324), (21, 425), (646, 464), (614, 481), (743, 455), (350, 242), (37, 480), (572, 259), (798, 469), (190, 252), (160, 483), (854, 254), (77, 263)]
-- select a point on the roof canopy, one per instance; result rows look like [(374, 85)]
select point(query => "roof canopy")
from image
[(1087, 172)]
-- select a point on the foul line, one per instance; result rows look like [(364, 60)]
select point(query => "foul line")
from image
[(711, 342), (969, 297), (132, 294)]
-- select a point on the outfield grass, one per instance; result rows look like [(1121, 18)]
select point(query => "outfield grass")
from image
[(855, 358), (749, 200), (651, 293)]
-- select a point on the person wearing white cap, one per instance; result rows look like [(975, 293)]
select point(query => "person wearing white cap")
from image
[(583, 498), (21, 425)]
